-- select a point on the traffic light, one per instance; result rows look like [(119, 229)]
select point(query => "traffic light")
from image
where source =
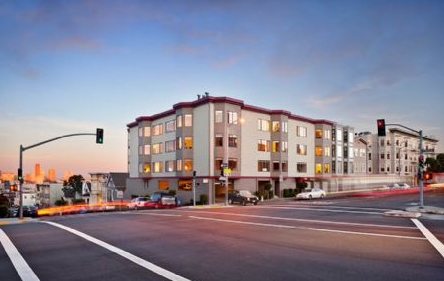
[(381, 127), (99, 135), (20, 175), (427, 175)]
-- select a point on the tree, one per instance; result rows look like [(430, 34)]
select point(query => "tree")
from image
[(435, 165), (73, 186)]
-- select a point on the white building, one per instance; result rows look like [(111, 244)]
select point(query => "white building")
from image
[(264, 147)]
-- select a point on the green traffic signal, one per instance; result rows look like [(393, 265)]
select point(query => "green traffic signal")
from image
[(99, 135)]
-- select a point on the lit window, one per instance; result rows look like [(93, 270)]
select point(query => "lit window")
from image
[(232, 117), (318, 150), (157, 167), (301, 131), (170, 166), (318, 133), (301, 149), (232, 140), (187, 165), (263, 125), (188, 142), (275, 146), (170, 146), (147, 149), (163, 185), (158, 148), (275, 125), (146, 167), (263, 145), (188, 120), (318, 168), (179, 121), (326, 168), (157, 129)]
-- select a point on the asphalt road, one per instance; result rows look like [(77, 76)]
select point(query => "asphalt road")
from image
[(332, 239)]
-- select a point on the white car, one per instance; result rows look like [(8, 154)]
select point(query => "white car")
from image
[(310, 193), (138, 203)]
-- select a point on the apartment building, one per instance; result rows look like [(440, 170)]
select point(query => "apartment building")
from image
[(255, 146), (397, 153)]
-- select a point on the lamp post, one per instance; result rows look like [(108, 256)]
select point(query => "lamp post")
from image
[(226, 160)]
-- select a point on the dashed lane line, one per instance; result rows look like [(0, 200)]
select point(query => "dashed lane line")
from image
[(308, 228)]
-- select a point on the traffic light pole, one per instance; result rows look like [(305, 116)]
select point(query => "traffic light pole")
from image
[(22, 149), (420, 163)]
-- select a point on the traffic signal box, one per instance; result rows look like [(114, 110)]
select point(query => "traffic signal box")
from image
[(381, 127), (426, 175), (99, 135)]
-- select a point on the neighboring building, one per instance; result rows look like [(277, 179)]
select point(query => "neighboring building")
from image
[(397, 153), (264, 147), (116, 182)]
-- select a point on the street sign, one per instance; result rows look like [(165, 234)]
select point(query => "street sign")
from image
[(223, 165), (227, 171)]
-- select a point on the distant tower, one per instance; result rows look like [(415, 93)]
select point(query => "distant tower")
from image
[(37, 170)]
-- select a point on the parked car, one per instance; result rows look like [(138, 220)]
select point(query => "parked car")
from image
[(162, 200), (310, 193), (138, 203), (243, 197), (403, 185), (28, 211)]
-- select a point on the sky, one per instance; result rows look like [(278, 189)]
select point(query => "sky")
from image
[(70, 67)]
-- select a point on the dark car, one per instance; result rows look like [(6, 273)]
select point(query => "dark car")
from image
[(243, 197), (28, 211)]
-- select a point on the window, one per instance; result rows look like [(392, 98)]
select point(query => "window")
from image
[(147, 131), (179, 143), (218, 163), (284, 166), (275, 126), (276, 166), (263, 145), (185, 185), (188, 120), (179, 121), (170, 126), (318, 150), (218, 116), (163, 185), (339, 150), (327, 168), (179, 165), (263, 166), (147, 149), (318, 168), (140, 150), (301, 131), (284, 146), (146, 167), (263, 125), (318, 134), (157, 129), (188, 142), (170, 166), (382, 155), (232, 140), (327, 151), (301, 167), (232, 163), (301, 149), (170, 146), (284, 127), (157, 148), (327, 134), (157, 167), (232, 117), (219, 140), (339, 134), (188, 165), (275, 146)]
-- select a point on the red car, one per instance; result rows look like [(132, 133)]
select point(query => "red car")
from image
[(161, 200)]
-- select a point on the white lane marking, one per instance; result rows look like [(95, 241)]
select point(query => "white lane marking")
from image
[(432, 239), (135, 259), (329, 206), (308, 228), (22, 267), (153, 214), (312, 221)]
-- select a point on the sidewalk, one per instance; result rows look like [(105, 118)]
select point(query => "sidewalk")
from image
[(4, 221)]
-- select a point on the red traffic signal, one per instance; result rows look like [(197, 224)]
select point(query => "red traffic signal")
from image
[(381, 127), (427, 175)]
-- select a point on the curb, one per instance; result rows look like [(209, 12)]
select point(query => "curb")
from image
[(402, 214)]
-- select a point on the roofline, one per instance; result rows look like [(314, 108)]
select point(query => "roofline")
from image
[(210, 99)]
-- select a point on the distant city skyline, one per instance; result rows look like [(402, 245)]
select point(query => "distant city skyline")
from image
[(38, 175), (70, 67)]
